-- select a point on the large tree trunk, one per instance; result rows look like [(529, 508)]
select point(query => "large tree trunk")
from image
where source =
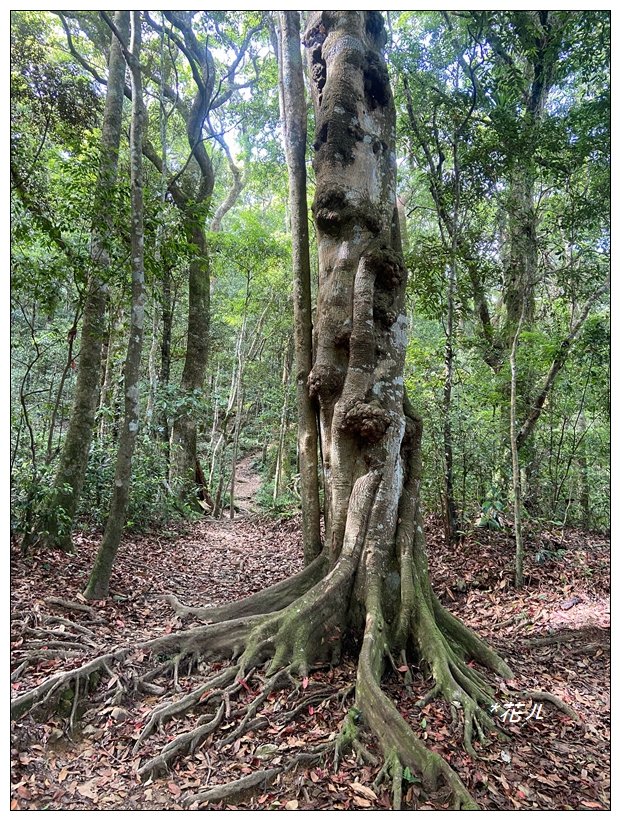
[(293, 114), (370, 442), (99, 581), (55, 521)]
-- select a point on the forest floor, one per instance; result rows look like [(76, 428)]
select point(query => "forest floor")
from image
[(554, 633)]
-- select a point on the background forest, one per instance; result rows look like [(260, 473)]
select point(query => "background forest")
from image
[(503, 142), (154, 309)]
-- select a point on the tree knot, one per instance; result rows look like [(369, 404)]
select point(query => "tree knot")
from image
[(388, 268), (325, 382), (367, 420), (331, 210), (376, 81), (342, 338), (313, 41)]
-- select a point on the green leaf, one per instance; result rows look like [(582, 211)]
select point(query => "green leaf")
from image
[(409, 777)]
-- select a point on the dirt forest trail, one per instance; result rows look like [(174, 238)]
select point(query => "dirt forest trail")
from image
[(247, 485), (554, 634)]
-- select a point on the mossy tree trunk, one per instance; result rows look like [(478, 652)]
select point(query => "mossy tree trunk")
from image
[(99, 581), (54, 522)]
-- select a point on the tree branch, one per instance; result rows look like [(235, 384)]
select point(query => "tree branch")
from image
[(237, 186), (556, 366)]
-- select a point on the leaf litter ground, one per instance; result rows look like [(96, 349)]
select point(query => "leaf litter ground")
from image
[(554, 634)]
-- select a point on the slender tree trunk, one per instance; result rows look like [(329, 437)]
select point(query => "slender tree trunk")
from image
[(113, 353), (235, 448), (56, 405), (523, 254), (183, 450), (99, 581), (536, 406), (521, 271), (167, 315), (516, 472), (451, 524), (152, 421), (183, 442), (55, 520), (153, 372), (281, 457), (237, 403), (293, 115), (233, 194), (217, 457), (584, 483)]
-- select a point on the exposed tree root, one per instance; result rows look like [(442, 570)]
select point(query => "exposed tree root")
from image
[(74, 605), (290, 641), (60, 682), (237, 789), (32, 657), (210, 690), (277, 681), (188, 741), (205, 640), (45, 634), (400, 745), (57, 619), (271, 599), (556, 701)]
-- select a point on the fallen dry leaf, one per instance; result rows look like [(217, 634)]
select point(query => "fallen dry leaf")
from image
[(88, 790), (365, 791), (291, 805)]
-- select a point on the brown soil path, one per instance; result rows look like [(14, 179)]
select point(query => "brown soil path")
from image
[(247, 485)]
